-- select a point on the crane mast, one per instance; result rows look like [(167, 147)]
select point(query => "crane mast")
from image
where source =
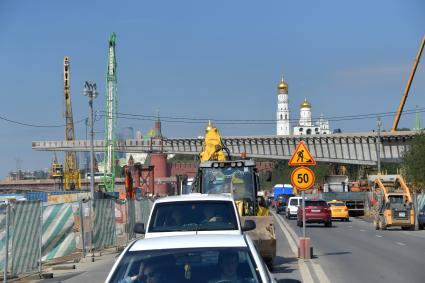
[(110, 118), (71, 173)]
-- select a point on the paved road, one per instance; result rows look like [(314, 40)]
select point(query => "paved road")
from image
[(355, 252), (286, 268)]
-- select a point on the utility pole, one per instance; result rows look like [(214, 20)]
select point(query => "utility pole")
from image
[(378, 147), (90, 90)]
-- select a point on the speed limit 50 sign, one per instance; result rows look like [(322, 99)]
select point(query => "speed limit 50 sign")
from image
[(302, 178)]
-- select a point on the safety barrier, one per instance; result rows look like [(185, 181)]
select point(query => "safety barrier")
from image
[(58, 238), (26, 237), (33, 233)]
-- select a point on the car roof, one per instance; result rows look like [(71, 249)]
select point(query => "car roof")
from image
[(195, 197), (189, 241)]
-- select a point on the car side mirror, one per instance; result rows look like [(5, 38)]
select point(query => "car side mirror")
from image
[(139, 228), (249, 225)]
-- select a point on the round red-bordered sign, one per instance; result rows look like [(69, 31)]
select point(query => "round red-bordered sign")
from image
[(302, 178)]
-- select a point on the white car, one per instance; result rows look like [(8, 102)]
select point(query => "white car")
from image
[(292, 208), (191, 258), (194, 214)]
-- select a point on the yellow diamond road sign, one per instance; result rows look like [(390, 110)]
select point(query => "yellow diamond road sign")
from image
[(302, 178), (302, 156)]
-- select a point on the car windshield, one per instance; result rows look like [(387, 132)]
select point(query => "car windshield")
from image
[(315, 203), (293, 202), (188, 265), (193, 216), (336, 203), (237, 181)]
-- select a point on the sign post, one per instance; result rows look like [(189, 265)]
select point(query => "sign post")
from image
[(302, 178)]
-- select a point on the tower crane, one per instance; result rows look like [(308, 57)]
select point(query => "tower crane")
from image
[(110, 118), (71, 174)]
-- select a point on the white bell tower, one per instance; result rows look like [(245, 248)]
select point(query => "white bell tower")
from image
[(282, 114)]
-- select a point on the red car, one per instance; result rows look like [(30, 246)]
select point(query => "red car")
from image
[(316, 211)]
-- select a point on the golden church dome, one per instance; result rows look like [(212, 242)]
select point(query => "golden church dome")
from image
[(283, 86), (305, 104)]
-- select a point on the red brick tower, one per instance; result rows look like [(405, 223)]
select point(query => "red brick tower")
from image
[(159, 161)]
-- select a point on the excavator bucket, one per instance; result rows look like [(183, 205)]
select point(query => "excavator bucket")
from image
[(263, 236)]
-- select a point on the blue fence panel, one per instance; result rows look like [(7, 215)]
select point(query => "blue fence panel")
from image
[(32, 196)]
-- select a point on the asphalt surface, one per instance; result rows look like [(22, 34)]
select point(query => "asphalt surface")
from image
[(286, 269), (355, 252)]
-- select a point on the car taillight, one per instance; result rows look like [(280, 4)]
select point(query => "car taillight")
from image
[(326, 209), (346, 209)]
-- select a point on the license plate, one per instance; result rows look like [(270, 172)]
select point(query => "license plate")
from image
[(315, 210), (402, 214)]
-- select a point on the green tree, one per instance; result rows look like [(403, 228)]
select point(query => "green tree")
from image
[(414, 162)]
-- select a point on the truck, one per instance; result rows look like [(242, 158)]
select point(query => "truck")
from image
[(218, 173), (337, 187), (282, 192)]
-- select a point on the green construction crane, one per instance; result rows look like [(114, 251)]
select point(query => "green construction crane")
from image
[(110, 118)]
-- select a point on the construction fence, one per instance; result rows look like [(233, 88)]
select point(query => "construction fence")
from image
[(36, 233)]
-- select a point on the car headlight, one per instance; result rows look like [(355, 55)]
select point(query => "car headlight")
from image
[(421, 213)]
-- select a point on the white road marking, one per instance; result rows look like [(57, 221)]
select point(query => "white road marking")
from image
[(379, 236), (320, 273), (291, 241), (362, 230), (400, 244), (305, 273), (350, 226), (304, 270)]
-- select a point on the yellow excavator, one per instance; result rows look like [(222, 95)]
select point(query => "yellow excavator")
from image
[(392, 203), (219, 174)]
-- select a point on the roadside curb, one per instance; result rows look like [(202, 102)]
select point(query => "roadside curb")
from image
[(309, 268)]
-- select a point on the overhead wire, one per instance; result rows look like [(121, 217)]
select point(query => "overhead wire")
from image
[(190, 120), (37, 125)]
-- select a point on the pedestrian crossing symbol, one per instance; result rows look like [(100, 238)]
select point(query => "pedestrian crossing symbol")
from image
[(301, 156)]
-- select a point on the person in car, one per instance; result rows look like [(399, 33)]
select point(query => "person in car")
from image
[(176, 218), (153, 272), (210, 215), (228, 262)]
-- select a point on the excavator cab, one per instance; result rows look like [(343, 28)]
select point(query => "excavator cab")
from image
[(236, 178)]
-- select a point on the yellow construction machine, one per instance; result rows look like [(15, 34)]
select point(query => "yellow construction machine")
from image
[(219, 174), (71, 173), (392, 203)]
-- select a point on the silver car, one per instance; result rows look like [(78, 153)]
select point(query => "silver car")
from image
[(191, 258)]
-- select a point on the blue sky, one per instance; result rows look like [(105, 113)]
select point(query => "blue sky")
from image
[(204, 59)]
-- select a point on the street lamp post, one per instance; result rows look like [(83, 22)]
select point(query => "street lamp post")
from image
[(378, 148), (90, 90)]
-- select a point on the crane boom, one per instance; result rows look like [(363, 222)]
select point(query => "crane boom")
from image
[(110, 118), (71, 173), (406, 90)]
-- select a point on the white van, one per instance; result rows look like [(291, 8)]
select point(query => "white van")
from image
[(292, 208)]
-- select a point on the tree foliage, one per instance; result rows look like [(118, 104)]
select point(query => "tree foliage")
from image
[(414, 162)]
